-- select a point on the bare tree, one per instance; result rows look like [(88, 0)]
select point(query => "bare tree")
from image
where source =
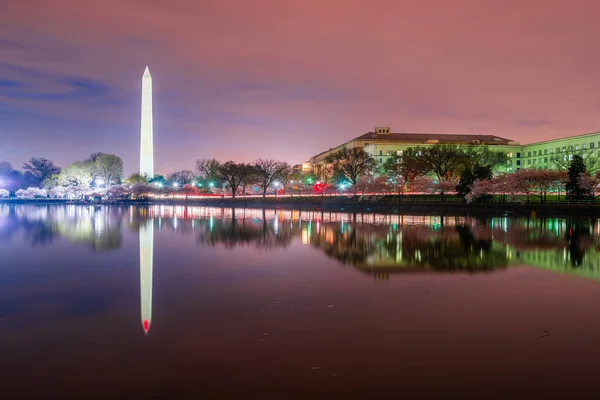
[(251, 178), (324, 172), (107, 167), (268, 171), (404, 168), (208, 170), (444, 160), (234, 174), (562, 160), (181, 178), (351, 164), (41, 169)]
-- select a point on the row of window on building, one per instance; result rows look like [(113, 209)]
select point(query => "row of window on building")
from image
[(562, 149)]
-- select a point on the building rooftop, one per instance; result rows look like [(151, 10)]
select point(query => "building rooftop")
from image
[(426, 138)]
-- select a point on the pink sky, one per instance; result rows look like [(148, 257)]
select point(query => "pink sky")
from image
[(288, 79)]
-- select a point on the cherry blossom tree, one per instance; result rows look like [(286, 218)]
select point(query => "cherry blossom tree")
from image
[(4, 193), (445, 186), (422, 184), (141, 189), (118, 191), (480, 188), (58, 192), (589, 183), (31, 193)]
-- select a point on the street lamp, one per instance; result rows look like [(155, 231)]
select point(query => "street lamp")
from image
[(176, 185)]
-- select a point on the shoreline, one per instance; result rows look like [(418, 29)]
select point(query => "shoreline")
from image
[(347, 205)]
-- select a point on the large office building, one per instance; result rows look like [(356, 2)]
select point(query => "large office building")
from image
[(382, 143)]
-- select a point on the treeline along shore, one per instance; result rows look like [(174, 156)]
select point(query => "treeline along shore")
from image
[(363, 204)]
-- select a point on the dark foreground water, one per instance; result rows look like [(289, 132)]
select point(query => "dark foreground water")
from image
[(210, 303)]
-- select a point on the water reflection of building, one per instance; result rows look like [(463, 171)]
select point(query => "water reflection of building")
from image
[(146, 235), (376, 244)]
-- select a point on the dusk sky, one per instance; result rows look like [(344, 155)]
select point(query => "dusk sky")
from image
[(243, 79)]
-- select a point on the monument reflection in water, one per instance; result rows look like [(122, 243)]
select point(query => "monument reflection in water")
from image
[(146, 261), (375, 244)]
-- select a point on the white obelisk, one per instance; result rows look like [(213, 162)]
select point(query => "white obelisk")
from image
[(146, 137), (146, 261)]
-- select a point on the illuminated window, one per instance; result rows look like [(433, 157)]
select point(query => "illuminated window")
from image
[(564, 148), (584, 146), (570, 157), (577, 147)]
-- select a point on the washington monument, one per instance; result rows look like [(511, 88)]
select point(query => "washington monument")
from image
[(146, 146)]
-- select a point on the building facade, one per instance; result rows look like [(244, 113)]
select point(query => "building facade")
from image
[(382, 144)]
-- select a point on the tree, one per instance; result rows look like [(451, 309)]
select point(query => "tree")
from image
[(268, 171), (444, 160), (41, 169), (181, 178), (470, 174), (189, 190), (483, 156), (208, 170), (136, 178), (158, 180), (250, 178), (118, 191), (351, 164), (445, 186), (577, 167), (404, 168), (423, 184), (140, 190), (79, 173), (479, 189), (107, 167), (589, 183), (562, 160), (4, 193), (234, 174)]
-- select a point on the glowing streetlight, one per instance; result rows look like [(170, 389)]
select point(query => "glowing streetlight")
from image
[(276, 184), (176, 185)]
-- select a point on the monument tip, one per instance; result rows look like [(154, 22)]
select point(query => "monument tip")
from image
[(147, 71)]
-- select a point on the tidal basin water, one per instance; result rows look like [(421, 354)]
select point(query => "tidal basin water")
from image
[(192, 302)]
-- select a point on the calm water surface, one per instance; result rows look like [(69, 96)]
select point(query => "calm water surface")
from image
[(192, 302)]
